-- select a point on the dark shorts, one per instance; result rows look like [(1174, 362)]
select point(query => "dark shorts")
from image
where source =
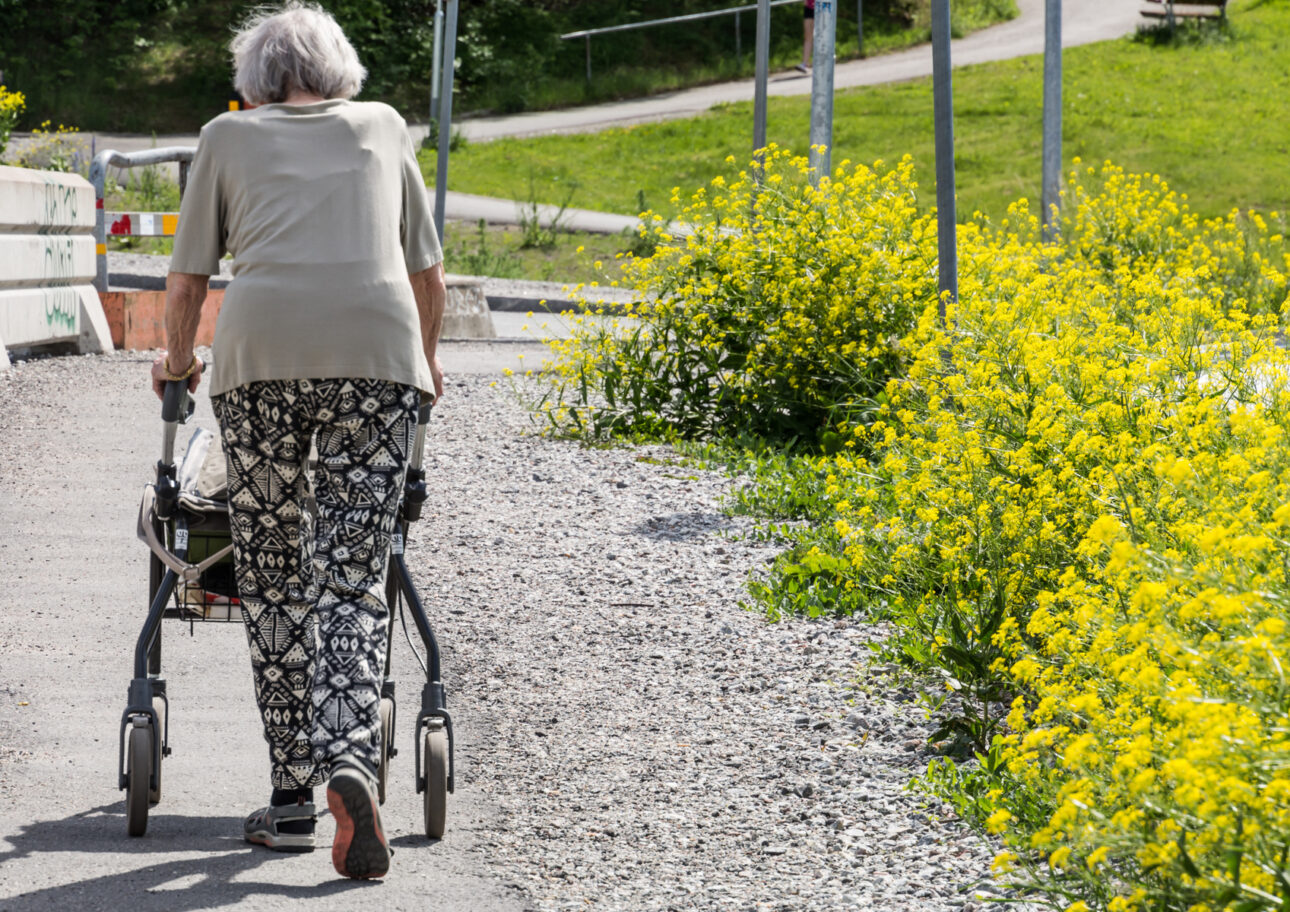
[(808, 12)]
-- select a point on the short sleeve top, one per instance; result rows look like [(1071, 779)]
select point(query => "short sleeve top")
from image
[(325, 213)]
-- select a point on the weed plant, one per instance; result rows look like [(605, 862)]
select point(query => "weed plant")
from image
[(484, 258), (537, 231), (50, 148)]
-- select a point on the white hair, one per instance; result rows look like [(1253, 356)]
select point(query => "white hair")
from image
[(294, 47)]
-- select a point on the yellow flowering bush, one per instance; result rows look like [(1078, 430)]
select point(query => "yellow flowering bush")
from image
[(778, 316), (12, 105), (1073, 504)]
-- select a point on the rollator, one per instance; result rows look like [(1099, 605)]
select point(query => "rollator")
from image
[(183, 519)]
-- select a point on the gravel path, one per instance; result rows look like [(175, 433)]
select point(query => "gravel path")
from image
[(631, 738), (652, 745)]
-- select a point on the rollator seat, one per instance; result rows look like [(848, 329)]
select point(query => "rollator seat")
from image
[(203, 502)]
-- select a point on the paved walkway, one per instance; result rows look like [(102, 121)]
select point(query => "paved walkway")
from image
[(471, 207)]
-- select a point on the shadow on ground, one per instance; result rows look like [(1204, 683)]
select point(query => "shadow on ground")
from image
[(680, 526), (216, 874)]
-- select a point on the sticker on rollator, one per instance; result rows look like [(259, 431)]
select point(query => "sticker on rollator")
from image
[(396, 543), (181, 539)]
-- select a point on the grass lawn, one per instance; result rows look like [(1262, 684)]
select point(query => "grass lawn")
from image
[(1206, 114), (498, 251)]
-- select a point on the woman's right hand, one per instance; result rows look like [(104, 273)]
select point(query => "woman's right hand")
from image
[(436, 373), (161, 375)]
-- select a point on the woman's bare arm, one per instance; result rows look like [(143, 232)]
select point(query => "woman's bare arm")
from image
[(432, 295), (185, 295)]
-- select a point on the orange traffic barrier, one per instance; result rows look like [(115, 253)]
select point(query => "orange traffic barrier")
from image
[(137, 319)]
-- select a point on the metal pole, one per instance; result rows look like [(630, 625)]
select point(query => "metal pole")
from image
[(822, 88), (98, 178), (437, 65), (943, 105), (445, 119), (763, 70), (588, 40), (739, 45), (859, 28), (1052, 114)]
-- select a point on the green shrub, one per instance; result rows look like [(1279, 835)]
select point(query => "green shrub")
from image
[(778, 317)]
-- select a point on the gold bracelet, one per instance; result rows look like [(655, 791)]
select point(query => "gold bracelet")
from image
[(172, 376)]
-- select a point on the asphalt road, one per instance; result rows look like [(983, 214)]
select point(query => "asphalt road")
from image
[(77, 438)]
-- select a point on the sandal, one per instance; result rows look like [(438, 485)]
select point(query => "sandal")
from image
[(261, 827)]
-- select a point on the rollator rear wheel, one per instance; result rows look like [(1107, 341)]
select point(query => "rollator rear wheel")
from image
[(138, 762), (387, 737), (435, 758), (159, 707)]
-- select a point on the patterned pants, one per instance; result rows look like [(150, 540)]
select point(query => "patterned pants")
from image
[(313, 598)]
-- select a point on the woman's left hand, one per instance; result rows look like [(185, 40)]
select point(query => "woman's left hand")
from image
[(161, 376)]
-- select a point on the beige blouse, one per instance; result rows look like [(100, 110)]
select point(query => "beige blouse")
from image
[(325, 213)]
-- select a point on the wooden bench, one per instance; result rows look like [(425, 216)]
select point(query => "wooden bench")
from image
[(1173, 10)]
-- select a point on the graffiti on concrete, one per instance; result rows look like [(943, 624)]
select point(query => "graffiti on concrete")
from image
[(62, 305), (60, 260), (62, 308), (61, 206)]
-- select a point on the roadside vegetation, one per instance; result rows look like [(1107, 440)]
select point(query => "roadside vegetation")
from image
[(1068, 494), (1201, 109)]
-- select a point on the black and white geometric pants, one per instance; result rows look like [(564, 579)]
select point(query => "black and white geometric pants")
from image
[(313, 595)]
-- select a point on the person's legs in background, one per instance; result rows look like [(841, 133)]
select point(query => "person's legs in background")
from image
[(808, 35)]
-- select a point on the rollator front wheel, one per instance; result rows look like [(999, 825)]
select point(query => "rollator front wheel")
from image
[(159, 707), (138, 768), (387, 738), (435, 758)]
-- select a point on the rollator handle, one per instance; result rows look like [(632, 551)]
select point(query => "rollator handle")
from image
[(172, 404), (414, 484), (176, 408)]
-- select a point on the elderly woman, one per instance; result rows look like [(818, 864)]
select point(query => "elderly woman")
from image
[(327, 334)]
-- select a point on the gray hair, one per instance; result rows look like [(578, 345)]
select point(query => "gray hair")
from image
[(294, 47)]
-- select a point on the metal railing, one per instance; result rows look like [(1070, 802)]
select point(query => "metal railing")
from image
[(586, 34), (110, 158)]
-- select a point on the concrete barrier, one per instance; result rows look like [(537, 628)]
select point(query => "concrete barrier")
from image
[(47, 263), (465, 313)]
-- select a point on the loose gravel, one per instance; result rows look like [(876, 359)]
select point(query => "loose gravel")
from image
[(645, 742), (652, 745)]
